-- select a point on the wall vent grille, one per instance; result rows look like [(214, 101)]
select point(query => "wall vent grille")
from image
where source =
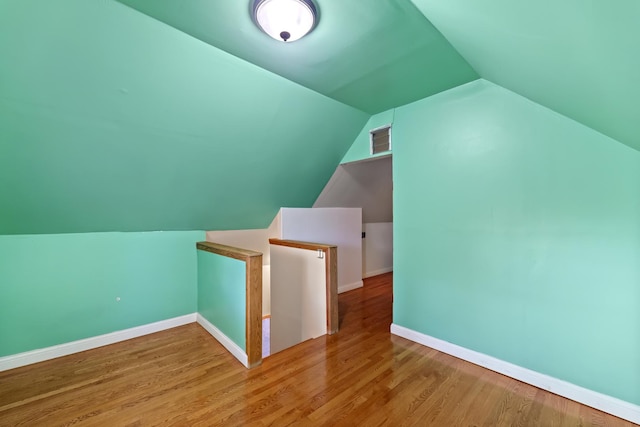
[(380, 139)]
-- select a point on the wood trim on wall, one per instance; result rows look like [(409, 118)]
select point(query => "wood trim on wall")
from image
[(331, 266), (253, 288), (331, 276), (254, 310)]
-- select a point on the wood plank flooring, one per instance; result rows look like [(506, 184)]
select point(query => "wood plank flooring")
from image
[(361, 376)]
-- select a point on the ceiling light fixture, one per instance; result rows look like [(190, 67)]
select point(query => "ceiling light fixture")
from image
[(285, 20)]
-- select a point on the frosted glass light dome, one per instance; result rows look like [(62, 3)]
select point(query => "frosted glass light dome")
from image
[(285, 20)]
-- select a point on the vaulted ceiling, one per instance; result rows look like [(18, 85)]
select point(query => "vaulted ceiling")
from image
[(113, 121), (373, 56), (168, 115), (579, 58)]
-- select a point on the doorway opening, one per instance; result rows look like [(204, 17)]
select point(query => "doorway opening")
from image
[(367, 184)]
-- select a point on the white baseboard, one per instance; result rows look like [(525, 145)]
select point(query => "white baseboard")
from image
[(377, 272), (602, 402), (350, 286), (233, 348), (40, 355)]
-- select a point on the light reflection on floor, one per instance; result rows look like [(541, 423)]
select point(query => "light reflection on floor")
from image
[(266, 337)]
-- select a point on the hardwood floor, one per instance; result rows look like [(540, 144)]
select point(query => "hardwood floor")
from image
[(360, 376)]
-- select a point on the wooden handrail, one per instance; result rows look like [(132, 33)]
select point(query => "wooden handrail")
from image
[(253, 284), (228, 251), (302, 245), (331, 275)]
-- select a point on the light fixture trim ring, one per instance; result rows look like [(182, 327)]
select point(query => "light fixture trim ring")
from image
[(278, 34)]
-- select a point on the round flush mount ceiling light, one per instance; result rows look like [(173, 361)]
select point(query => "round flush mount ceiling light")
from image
[(285, 20)]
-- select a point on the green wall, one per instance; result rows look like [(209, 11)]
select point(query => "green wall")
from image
[(113, 121), (60, 288), (222, 294), (361, 147), (517, 234)]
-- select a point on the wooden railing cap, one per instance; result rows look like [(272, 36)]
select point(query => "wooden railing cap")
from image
[(228, 251), (302, 245)]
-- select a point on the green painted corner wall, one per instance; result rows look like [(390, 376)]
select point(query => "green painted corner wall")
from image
[(516, 234), (222, 294), (113, 121), (60, 288)]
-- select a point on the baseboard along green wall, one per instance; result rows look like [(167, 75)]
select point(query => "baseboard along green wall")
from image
[(60, 288), (516, 234)]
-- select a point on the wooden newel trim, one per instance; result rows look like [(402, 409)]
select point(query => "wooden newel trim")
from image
[(254, 311), (331, 275), (253, 289), (331, 266)]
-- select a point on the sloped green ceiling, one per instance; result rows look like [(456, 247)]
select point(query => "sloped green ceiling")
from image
[(111, 120), (580, 58), (372, 55)]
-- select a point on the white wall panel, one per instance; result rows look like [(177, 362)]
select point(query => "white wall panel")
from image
[(298, 296), (335, 226), (377, 248)]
